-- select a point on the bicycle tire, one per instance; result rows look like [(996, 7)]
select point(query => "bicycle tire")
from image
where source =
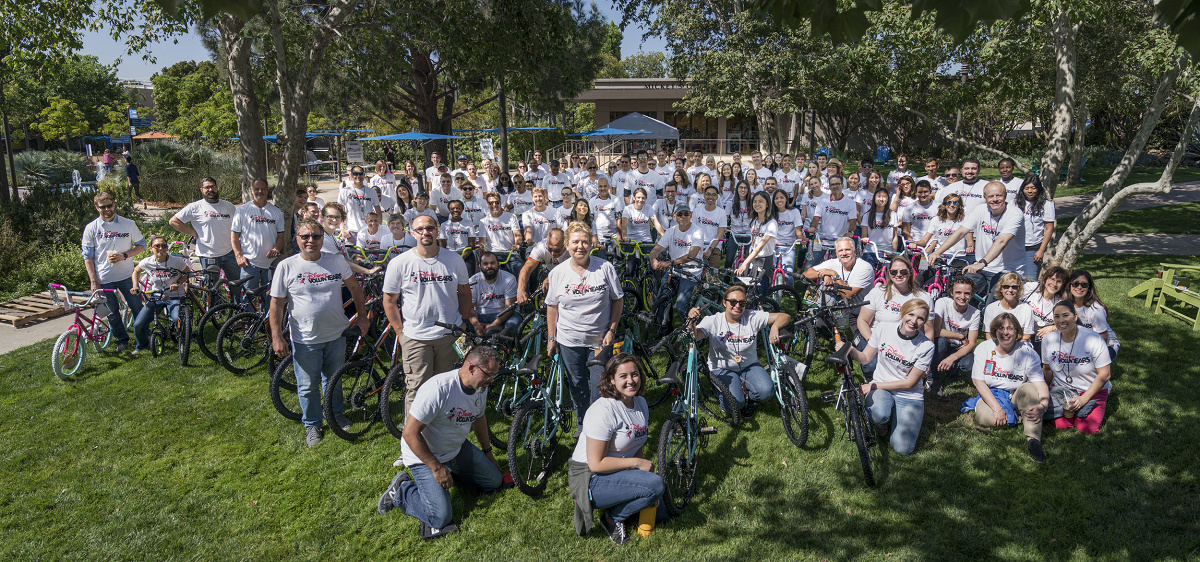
[(804, 344), (237, 349), (283, 390), (655, 393), (158, 343), (765, 304), (184, 333), (531, 451), (70, 349), (789, 302), (633, 297), (793, 412), (502, 404), (209, 327), (859, 425), (391, 401), (676, 464), (103, 333), (354, 382), (711, 396)]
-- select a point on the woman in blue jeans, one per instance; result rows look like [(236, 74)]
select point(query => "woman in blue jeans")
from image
[(896, 394), (619, 480), (733, 347)]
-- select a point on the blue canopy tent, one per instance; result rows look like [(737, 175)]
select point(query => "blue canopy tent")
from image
[(413, 136)]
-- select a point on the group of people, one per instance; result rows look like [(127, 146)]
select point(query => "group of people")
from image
[(1046, 354)]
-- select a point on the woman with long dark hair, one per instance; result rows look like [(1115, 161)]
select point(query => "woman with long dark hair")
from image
[(763, 232), (1076, 361), (1039, 224), (1081, 291)]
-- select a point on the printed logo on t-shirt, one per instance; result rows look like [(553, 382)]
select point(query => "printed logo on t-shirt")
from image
[(261, 219), (730, 337), (108, 234), (420, 276), (461, 416), (215, 214), (989, 229), (497, 227), (314, 278), (582, 288), (834, 210), (1066, 358), (895, 355), (998, 373), (707, 222), (892, 306), (636, 431), (683, 243)]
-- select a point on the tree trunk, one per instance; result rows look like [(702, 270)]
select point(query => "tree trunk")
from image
[(768, 130), (5, 195), (1066, 251), (504, 127), (1063, 32), (245, 104), (1075, 170)]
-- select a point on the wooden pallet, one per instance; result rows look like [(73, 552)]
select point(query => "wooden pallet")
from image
[(32, 308)]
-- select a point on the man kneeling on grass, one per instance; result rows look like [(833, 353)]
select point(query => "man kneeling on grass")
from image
[(435, 447)]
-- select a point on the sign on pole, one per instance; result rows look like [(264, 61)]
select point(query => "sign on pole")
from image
[(140, 122), (133, 114), (132, 131), (485, 149), (354, 151)]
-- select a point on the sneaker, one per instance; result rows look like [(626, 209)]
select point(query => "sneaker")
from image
[(343, 422), (616, 531), (312, 435), (399, 462), (388, 500), (747, 411), (1035, 450), (428, 532), (122, 347), (134, 351)]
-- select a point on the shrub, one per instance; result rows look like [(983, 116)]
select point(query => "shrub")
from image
[(51, 167), (56, 264), (171, 170)]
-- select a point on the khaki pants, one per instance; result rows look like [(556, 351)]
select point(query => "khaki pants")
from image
[(423, 360), (1024, 398)]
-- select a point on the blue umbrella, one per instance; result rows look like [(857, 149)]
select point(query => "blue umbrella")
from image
[(608, 132), (411, 136)]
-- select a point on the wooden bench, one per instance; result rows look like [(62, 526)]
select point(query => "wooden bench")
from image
[(1166, 295)]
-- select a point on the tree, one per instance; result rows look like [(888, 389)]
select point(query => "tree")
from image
[(646, 65), (613, 36), (61, 120)]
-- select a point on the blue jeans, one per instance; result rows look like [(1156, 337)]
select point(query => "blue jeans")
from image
[(683, 299), (261, 276), (944, 349), (514, 321), (758, 384), (115, 324), (904, 413), (314, 364), (141, 324), (624, 493), (860, 343), (229, 265), (423, 498), (1030, 268), (985, 284), (787, 255), (581, 379)]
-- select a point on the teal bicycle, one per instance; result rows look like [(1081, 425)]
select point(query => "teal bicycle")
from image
[(533, 437)]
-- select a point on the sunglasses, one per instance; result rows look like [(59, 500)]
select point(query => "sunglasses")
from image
[(1008, 287), (898, 273), (952, 175), (955, 203), (159, 246), (105, 207), (309, 236), (683, 213), (591, 167), (1080, 285), (358, 174), (739, 304)]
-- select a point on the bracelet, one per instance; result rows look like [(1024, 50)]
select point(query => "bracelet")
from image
[(486, 451)]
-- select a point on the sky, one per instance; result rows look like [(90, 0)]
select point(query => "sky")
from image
[(190, 48)]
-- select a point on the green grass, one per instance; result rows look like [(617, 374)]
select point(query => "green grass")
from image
[(140, 459), (1182, 218)]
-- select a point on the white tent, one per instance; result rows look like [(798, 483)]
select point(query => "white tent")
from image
[(638, 122)]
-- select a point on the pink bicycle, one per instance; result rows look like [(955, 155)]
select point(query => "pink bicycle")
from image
[(71, 347)]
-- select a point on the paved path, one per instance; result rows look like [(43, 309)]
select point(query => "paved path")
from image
[(1187, 192), (1144, 244), (15, 338)]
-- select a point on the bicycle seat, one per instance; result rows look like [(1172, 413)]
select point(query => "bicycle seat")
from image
[(596, 361), (841, 356), (530, 368), (240, 282), (260, 291), (672, 375), (351, 331)]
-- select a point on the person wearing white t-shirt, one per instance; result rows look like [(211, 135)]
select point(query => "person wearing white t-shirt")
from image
[(108, 244), (763, 232), (463, 162), (645, 178), (761, 172), (257, 236), (733, 348), (308, 285), (397, 237), (420, 207), (607, 469), (435, 449), (384, 183), (1010, 383), (949, 218), (916, 218), (606, 207), (664, 208), (883, 304), (999, 230), (969, 188), (358, 199), (712, 221), (1012, 184), (893, 177), (879, 224), (1039, 224), (544, 255), (834, 217), (583, 305), (493, 291), (931, 175), (789, 224), (1076, 360), (521, 199), (209, 220), (432, 283), (683, 243), (1081, 291), (618, 184), (895, 393), (1008, 293), (637, 219), (441, 196), (787, 178), (854, 277), (538, 220), (371, 237), (1041, 295), (500, 230), (432, 175), (165, 274), (555, 181), (458, 233), (957, 329), (474, 208)]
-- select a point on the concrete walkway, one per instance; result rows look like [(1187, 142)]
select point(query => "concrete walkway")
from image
[(1144, 244), (1186, 192)]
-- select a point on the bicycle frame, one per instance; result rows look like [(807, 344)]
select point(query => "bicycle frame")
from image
[(84, 325)]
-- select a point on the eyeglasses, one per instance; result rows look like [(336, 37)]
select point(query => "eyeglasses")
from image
[(737, 303), (1010, 287), (357, 174), (669, 192), (557, 251), (333, 217), (898, 273), (487, 374), (468, 187), (1080, 285), (309, 236), (105, 207), (838, 184), (424, 229), (159, 246)]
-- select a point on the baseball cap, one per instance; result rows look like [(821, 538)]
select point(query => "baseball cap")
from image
[(462, 157), (681, 206)]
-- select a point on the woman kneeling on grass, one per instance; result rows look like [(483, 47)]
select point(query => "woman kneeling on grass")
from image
[(896, 393), (606, 469), (1010, 382), (1076, 359)]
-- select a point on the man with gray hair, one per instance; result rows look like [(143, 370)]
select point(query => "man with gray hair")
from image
[(995, 225)]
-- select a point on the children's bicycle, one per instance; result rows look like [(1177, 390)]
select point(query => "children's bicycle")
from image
[(70, 349), (167, 330)]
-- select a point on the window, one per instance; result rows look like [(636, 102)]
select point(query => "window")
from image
[(696, 132), (742, 134)]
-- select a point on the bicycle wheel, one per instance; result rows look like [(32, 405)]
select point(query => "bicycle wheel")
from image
[(765, 304), (805, 344), (158, 342), (502, 403), (283, 390), (532, 447), (67, 356), (677, 462), (789, 302), (358, 386), (183, 332), (391, 402), (633, 297), (210, 326), (242, 343), (103, 333), (713, 393), (793, 412), (859, 426)]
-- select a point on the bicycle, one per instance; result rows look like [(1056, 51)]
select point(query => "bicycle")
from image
[(244, 341), (70, 349), (164, 329), (365, 386), (533, 436), (787, 375)]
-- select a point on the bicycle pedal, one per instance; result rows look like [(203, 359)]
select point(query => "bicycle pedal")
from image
[(708, 430), (829, 396)]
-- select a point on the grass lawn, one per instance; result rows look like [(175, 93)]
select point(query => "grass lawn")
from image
[(1182, 218), (140, 459)]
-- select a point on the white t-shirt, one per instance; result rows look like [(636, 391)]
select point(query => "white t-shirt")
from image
[(102, 238), (942, 229), (1074, 363), (728, 342), (859, 276), (618, 182), (1095, 317), (411, 215), (987, 228), (432, 177), (389, 241), (358, 203), (499, 231), (586, 187), (861, 196), (1013, 189), (584, 302), (1043, 309), (1035, 224), (540, 221), (638, 221), (259, 228), (335, 245), (625, 429), (1009, 371), (662, 211), (809, 206), (554, 185), (935, 184), (368, 241), (678, 244), (314, 293), (562, 216), (787, 181), (386, 184), (955, 322), (785, 226), (458, 234), (474, 209), (897, 356), (760, 231), (919, 217), (651, 181), (739, 223), (447, 411), (971, 194), (160, 275), (893, 177), (1023, 313), (760, 178), (709, 222), (212, 222), (879, 231), (541, 254), (489, 297), (835, 217), (607, 213), (439, 200), (428, 291), (521, 202), (887, 310)]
